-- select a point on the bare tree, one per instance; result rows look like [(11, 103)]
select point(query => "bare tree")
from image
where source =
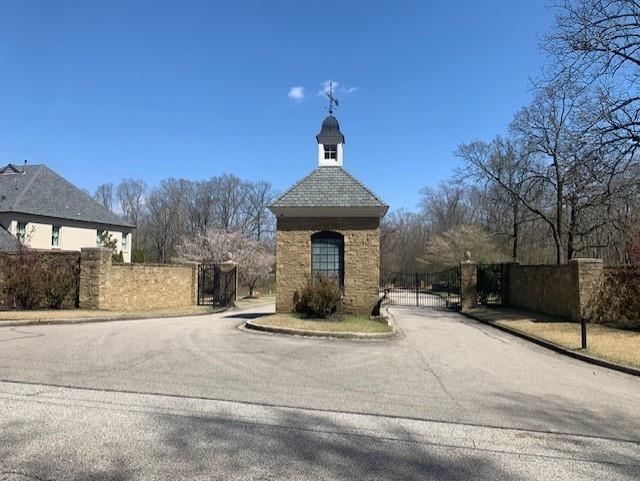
[(104, 195), (446, 207), (599, 39), (229, 206), (259, 195), (503, 169), (130, 195), (163, 220), (403, 236)]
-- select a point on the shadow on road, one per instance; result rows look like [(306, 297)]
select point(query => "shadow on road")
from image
[(248, 315), (305, 446)]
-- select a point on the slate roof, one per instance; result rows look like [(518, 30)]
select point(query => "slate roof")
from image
[(329, 187), (40, 191), (8, 243)]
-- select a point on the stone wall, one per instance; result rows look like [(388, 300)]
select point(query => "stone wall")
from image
[(557, 290), (361, 259), (547, 289), (104, 285)]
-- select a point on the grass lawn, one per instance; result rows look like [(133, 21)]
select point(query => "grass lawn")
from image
[(616, 345), (350, 323)]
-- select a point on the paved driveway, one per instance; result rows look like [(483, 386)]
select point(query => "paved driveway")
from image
[(201, 399)]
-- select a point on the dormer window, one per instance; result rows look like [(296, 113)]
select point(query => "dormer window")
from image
[(331, 151)]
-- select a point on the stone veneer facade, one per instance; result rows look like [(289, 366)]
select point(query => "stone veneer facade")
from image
[(361, 259), (557, 290), (104, 285)]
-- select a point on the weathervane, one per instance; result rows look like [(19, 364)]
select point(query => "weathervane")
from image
[(332, 100)]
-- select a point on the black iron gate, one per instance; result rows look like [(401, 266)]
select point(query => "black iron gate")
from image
[(216, 286), (437, 289), (489, 284)]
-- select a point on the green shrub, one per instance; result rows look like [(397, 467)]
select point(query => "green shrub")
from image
[(318, 298), (117, 258)]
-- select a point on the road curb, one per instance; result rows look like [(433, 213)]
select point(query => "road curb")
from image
[(334, 335), (89, 320), (556, 347), (305, 333)]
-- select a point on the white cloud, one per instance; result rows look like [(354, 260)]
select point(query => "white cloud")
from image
[(296, 94), (336, 88), (325, 87)]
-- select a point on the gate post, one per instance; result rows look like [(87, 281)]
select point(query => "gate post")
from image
[(226, 267), (468, 285)]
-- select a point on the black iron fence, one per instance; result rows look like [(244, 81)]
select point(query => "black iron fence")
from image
[(437, 289), (216, 286), (489, 287)]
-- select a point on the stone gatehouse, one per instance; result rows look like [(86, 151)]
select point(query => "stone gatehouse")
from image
[(329, 223)]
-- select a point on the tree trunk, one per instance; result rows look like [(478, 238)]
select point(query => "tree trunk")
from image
[(559, 212), (571, 233), (516, 228)]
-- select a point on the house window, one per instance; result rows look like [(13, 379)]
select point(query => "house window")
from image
[(327, 255), (55, 236), (331, 152), (22, 231), (100, 236), (125, 238)]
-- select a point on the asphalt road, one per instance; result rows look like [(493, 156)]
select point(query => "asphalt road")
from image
[(198, 398)]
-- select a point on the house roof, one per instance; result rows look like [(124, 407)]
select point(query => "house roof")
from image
[(37, 190), (331, 187), (8, 243)]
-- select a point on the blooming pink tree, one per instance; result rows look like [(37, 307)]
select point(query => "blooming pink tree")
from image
[(255, 259)]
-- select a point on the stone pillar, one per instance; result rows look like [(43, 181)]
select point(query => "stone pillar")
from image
[(95, 264), (585, 274), (507, 269), (468, 285), (228, 266)]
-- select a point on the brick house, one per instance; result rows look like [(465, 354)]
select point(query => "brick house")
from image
[(329, 223)]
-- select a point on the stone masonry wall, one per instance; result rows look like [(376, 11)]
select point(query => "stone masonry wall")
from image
[(542, 288), (134, 286), (361, 259), (557, 290)]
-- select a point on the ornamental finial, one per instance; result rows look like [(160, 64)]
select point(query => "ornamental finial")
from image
[(333, 102)]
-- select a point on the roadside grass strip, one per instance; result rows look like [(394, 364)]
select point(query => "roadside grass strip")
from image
[(349, 324), (615, 345), (71, 314)]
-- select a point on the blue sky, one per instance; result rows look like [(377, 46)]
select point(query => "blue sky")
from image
[(101, 91)]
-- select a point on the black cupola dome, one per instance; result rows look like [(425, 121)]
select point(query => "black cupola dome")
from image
[(330, 132)]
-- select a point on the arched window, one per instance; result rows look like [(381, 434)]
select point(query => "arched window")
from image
[(327, 255)]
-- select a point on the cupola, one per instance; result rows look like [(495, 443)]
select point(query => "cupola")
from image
[(330, 139)]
